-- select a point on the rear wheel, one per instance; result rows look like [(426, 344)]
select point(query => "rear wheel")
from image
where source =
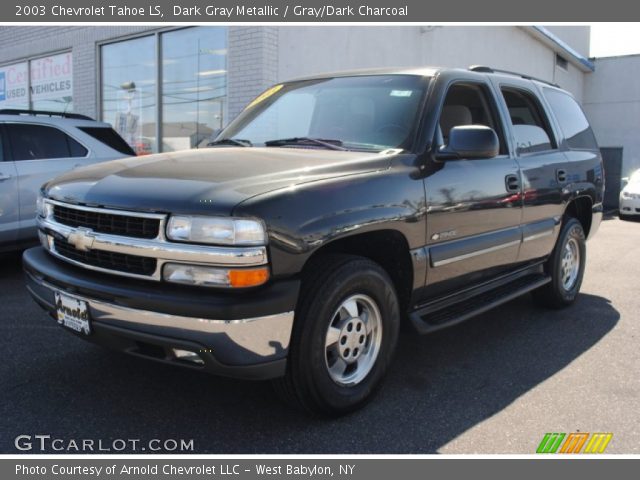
[(565, 266), (344, 335)]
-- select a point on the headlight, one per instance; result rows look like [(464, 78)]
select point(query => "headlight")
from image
[(43, 209), (626, 194), (216, 230), (214, 276)]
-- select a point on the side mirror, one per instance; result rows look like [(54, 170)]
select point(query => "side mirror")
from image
[(470, 141)]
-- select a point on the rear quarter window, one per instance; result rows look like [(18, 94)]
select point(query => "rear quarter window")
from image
[(110, 138), (573, 123)]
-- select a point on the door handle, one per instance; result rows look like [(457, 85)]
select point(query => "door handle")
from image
[(561, 175), (4, 177), (512, 183)]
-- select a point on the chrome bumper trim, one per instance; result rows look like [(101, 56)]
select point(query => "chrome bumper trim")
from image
[(260, 337)]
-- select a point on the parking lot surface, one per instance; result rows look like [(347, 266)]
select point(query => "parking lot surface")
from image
[(494, 384)]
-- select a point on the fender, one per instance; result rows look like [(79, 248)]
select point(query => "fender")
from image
[(304, 218)]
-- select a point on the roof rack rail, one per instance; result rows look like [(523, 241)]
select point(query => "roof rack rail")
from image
[(485, 69), (16, 111)]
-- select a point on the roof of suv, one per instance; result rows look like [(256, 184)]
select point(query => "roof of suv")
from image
[(427, 72), (98, 138), (49, 118)]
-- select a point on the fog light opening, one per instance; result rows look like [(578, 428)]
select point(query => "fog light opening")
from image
[(187, 356)]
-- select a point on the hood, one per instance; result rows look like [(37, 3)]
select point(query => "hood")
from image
[(632, 188), (205, 181)]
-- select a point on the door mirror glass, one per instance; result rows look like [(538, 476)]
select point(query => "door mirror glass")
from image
[(470, 142)]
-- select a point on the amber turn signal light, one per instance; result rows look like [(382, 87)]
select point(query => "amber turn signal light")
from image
[(249, 277)]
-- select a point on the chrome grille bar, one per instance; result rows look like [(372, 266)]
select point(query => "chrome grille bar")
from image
[(158, 248)]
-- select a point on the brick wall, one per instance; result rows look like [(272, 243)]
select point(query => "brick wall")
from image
[(253, 64)]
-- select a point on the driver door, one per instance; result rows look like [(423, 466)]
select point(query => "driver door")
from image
[(474, 206)]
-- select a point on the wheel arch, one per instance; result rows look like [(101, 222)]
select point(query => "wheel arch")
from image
[(581, 208), (389, 248)]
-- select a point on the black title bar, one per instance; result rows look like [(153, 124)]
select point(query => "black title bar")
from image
[(422, 11)]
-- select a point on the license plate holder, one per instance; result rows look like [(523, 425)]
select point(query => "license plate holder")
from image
[(72, 313)]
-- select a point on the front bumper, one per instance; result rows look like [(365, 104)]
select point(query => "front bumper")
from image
[(629, 206), (237, 334)]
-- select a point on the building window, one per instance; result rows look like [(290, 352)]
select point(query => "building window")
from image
[(562, 62), (191, 63), (129, 79), (44, 83), (194, 86)]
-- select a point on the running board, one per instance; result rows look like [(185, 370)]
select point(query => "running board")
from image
[(445, 313)]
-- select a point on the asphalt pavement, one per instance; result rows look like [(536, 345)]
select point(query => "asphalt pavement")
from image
[(494, 384)]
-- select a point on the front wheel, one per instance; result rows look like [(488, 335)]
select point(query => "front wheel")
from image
[(565, 267), (344, 336)]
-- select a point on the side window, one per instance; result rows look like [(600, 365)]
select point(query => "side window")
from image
[(570, 116), (35, 142), (75, 149), (530, 125), (467, 104), (110, 138)]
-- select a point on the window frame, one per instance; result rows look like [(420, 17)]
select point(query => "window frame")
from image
[(543, 112), (485, 90), (157, 34), (8, 146), (565, 141)]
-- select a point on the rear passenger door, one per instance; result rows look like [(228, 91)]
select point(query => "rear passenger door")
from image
[(584, 175), (542, 164), (40, 152)]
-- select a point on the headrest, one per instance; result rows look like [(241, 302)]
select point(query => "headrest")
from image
[(453, 116)]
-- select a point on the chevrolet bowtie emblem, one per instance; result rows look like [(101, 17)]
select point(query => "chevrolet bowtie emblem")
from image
[(82, 239)]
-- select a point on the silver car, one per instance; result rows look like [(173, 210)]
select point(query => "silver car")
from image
[(36, 146)]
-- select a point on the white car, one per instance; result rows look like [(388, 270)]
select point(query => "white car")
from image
[(630, 197)]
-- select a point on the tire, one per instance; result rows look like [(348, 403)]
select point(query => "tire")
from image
[(336, 288), (565, 270)]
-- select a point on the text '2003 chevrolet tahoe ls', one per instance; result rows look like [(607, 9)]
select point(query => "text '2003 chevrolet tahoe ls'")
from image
[(330, 210)]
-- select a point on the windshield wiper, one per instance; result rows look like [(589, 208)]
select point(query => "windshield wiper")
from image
[(230, 141), (330, 144)]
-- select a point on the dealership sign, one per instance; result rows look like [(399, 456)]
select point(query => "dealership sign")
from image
[(51, 78), (13, 84)]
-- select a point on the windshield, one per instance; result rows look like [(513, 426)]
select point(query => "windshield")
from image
[(364, 112)]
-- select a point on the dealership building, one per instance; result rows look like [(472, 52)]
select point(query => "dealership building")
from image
[(170, 88)]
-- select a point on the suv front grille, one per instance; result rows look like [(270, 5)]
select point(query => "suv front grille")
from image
[(125, 225), (119, 262)]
